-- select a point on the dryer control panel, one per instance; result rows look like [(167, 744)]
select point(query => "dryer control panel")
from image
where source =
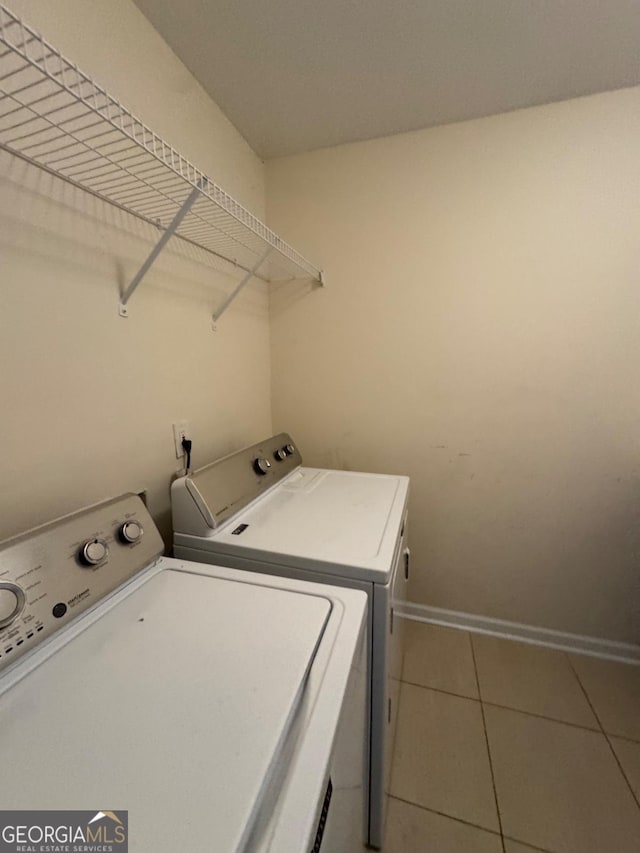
[(201, 501), (51, 574)]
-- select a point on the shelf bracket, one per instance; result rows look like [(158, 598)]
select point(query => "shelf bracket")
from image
[(123, 309), (250, 274)]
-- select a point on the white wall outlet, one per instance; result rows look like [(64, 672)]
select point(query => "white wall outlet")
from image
[(180, 431)]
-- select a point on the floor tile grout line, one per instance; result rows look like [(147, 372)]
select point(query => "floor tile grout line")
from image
[(590, 653), (486, 738), (440, 690), (623, 737), (445, 814), (509, 708), (526, 844), (540, 716), (468, 823), (602, 730)]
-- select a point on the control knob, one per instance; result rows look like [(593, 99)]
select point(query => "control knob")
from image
[(11, 602), (280, 454), (131, 532), (261, 466), (289, 449), (94, 552)]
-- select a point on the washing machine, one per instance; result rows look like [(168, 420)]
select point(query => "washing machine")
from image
[(259, 509), (168, 705)]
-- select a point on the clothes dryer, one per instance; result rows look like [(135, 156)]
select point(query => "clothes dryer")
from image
[(261, 510)]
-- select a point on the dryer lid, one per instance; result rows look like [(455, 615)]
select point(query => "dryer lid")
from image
[(175, 705), (339, 522)]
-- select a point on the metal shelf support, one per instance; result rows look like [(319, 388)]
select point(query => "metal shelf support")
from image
[(247, 278), (123, 309)]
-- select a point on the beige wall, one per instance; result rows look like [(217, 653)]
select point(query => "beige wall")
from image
[(88, 397), (480, 331)]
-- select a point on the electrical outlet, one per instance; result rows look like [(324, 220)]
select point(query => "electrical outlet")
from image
[(180, 431)]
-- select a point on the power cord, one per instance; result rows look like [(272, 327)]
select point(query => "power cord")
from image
[(186, 446)]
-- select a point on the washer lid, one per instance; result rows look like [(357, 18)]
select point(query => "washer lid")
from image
[(174, 705), (341, 522)]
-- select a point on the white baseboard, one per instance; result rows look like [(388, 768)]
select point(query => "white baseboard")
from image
[(608, 649)]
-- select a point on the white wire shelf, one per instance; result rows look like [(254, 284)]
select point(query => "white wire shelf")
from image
[(56, 117)]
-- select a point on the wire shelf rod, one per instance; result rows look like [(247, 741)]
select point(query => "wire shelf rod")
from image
[(231, 261)]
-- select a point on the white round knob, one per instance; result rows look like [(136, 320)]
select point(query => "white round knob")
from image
[(94, 552), (11, 602), (131, 531)]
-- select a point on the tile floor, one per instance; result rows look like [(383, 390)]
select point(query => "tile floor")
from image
[(504, 747)]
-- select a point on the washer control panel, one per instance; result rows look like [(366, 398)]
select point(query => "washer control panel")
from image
[(53, 573)]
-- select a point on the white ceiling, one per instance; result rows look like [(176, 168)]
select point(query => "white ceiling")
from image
[(293, 75)]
